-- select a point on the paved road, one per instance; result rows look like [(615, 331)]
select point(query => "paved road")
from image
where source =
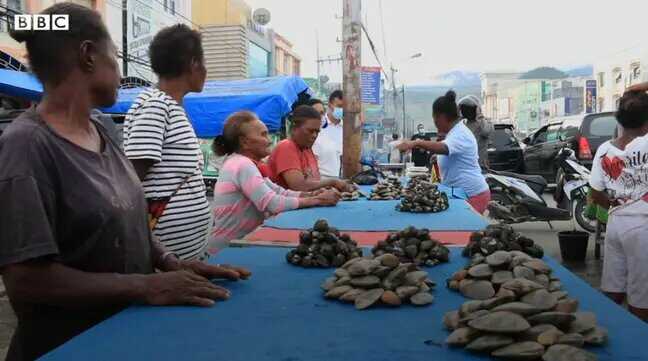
[(540, 232)]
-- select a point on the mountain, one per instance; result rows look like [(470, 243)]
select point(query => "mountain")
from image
[(585, 70), (544, 72), (458, 78)]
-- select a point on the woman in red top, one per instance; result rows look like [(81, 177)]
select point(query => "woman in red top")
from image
[(293, 163)]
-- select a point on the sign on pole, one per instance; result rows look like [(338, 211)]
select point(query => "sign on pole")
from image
[(590, 96), (370, 84)]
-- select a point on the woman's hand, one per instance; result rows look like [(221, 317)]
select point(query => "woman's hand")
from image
[(342, 186), (216, 271), (328, 198), (181, 288)]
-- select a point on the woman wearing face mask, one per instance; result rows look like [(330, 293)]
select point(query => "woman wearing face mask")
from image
[(293, 164), (457, 153), (243, 198), (76, 247)]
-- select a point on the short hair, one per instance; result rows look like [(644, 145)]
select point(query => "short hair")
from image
[(303, 113), (52, 54), (228, 142), (314, 101), (394, 136), (173, 49), (337, 94), (446, 104), (633, 110)]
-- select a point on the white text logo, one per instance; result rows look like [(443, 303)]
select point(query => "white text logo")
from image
[(41, 22)]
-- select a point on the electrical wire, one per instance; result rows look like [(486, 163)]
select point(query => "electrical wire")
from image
[(373, 50), (382, 29)]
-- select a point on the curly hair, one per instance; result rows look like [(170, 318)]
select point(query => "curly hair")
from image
[(173, 49)]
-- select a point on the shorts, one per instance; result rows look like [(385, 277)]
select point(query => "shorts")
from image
[(625, 265), (480, 201)]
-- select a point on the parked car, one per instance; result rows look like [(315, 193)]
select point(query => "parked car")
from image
[(504, 151), (583, 133)]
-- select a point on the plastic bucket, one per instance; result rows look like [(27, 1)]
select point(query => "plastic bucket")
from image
[(573, 245)]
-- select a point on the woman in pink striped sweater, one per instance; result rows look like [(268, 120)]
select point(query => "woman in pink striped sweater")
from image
[(243, 198)]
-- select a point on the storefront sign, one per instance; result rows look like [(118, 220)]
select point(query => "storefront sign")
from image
[(590, 96), (370, 84)]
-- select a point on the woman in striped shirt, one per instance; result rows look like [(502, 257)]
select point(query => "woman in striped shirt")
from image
[(162, 145), (243, 198)]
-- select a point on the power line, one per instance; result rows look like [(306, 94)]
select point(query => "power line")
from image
[(373, 50), (382, 28)]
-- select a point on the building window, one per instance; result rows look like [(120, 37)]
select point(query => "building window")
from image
[(286, 65), (601, 79), (636, 71), (258, 61), (17, 6), (296, 67)]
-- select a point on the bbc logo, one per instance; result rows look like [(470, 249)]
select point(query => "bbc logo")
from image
[(41, 22)]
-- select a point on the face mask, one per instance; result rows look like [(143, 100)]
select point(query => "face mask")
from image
[(338, 113)]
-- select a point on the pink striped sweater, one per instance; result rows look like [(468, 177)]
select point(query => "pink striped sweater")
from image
[(243, 199)]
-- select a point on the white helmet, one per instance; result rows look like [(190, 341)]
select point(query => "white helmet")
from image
[(470, 100)]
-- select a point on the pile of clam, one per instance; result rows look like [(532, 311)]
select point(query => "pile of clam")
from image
[(413, 245), (519, 312), (501, 273), (381, 280), (350, 196), (422, 196), (388, 190), (323, 246), (501, 237)]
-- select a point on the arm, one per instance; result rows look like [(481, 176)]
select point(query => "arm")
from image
[(285, 192), (296, 180), (254, 187), (431, 146), (43, 281), (144, 136), (601, 199)]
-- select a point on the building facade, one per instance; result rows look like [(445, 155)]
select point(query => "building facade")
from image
[(235, 46), (145, 19), (285, 60), (614, 74)]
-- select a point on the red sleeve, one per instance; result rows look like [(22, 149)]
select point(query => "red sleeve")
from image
[(284, 157)]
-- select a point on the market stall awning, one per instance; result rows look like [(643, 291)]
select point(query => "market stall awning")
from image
[(270, 98), (20, 84)]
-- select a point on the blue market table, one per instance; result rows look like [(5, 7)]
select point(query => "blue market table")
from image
[(280, 314)]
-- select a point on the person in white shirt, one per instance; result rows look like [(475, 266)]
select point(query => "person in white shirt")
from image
[(328, 146), (395, 155), (619, 181)]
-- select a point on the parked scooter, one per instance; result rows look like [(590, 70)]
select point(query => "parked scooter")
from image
[(572, 186), (517, 198)]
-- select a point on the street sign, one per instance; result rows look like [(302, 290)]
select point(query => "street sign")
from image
[(370, 84)]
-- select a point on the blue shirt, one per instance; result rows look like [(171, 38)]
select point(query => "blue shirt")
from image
[(460, 168)]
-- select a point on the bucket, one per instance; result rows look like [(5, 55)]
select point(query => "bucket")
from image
[(573, 245)]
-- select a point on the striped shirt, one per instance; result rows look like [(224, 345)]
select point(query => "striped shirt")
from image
[(243, 198), (157, 128)]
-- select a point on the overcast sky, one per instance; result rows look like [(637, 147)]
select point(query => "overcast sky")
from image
[(473, 35)]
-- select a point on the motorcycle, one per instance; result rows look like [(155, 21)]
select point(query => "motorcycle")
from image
[(517, 198), (572, 187)]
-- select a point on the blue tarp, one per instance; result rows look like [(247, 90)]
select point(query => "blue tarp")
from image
[(270, 98), (20, 84)]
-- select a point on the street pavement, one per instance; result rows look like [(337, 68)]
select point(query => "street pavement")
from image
[(541, 233)]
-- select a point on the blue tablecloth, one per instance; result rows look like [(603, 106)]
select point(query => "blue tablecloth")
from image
[(381, 216), (280, 314)]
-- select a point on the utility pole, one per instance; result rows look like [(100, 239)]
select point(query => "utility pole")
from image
[(351, 54), (404, 106), (395, 97), (125, 37)]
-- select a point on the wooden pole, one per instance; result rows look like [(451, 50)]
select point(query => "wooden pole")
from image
[(351, 54)]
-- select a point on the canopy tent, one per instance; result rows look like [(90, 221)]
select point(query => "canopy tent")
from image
[(270, 98), (20, 84)]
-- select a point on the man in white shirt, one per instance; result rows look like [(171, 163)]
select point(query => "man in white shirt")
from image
[(395, 155), (328, 146)]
